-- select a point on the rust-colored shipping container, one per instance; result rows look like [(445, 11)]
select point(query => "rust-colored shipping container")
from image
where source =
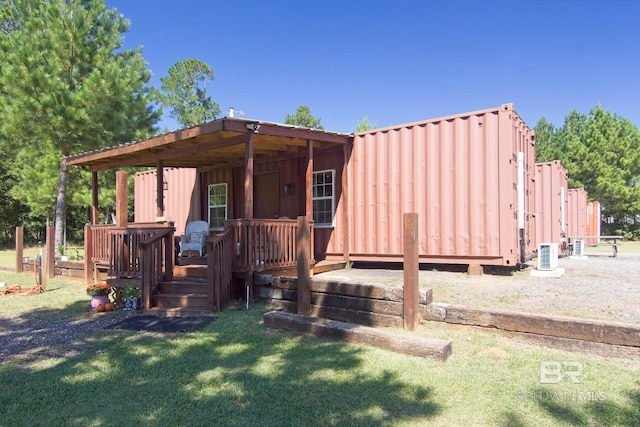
[(551, 203), (180, 185), (594, 221), (577, 211), (468, 176)]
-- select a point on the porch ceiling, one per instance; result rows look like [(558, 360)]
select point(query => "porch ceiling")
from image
[(218, 142)]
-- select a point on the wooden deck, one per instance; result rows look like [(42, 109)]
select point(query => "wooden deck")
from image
[(143, 255)]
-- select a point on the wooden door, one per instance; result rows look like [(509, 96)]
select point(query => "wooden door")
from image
[(266, 195)]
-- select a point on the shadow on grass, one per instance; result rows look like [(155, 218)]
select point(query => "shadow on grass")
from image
[(236, 372), (588, 408)]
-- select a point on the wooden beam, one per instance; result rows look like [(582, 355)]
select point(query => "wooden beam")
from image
[(309, 182), (168, 155), (19, 249), (156, 142), (303, 240), (122, 205), (248, 179), (602, 331), (398, 342), (411, 272), (95, 208), (159, 189)]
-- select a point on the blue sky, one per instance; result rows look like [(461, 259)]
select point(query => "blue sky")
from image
[(399, 62)]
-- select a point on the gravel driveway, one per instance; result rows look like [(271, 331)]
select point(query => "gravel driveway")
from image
[(598, 287)]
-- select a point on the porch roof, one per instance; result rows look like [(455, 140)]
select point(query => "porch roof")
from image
[(217, 142)]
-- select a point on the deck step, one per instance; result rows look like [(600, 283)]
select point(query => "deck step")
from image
[(184, 286), (190, 271), (178, 311), (180, 300)]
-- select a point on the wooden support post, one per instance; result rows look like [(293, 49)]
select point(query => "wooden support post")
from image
[(94, 198), (19, 249), (88, 255), (51, 253), (248, 179), (309, 182), (122, 203), (303, 240), (411, 295)]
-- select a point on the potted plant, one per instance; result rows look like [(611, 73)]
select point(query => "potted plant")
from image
[(99, 293), (131, 298)]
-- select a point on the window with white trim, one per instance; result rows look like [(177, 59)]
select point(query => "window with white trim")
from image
[(323, 196), (217, 206)]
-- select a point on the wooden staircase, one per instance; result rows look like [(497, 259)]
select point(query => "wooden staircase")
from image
[(186, 295)]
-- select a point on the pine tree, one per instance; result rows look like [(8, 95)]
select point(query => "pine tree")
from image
[(303, 118), (66, 86), (601, 153), (184, 92)]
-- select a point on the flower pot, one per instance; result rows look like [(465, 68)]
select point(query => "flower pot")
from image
[(99, 300), (132, 303)]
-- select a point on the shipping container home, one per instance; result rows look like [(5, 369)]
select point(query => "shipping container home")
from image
[(551, 196), (469, 177), (594, 221), (577, 210)]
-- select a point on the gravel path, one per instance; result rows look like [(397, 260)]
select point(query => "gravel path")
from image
[(27, 336)]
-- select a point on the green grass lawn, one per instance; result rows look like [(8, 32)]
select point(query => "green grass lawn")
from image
[(238, 372)]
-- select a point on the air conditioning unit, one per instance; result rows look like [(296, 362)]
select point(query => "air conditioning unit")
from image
[(547, 256), (578, 248)]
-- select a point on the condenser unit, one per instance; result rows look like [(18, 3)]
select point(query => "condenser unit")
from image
[(547, 256), (578, 248)]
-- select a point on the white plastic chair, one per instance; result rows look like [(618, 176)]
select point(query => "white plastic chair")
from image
[(194, 237)]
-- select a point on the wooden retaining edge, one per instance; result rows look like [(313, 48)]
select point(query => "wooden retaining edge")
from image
[(598, 331), (432, 348), (368, 305)]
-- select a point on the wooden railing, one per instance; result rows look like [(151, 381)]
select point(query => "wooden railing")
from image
[(264, 244), (118, 249), (157, 262), (142, 254), (220, 249)]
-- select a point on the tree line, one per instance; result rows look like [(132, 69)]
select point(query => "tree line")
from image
[(601, 152)]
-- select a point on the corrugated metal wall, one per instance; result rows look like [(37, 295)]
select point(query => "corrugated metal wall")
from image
[(577, 210), (181, 196), (551, 202), (594, 221), (459, 173)]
